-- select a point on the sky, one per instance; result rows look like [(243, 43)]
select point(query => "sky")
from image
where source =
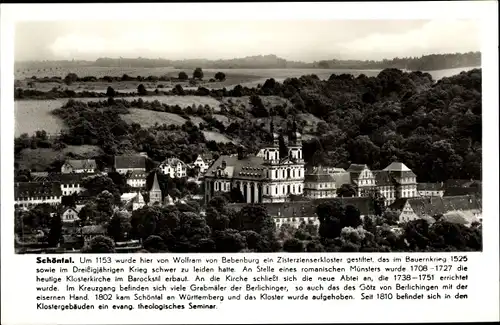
[(307, 41)]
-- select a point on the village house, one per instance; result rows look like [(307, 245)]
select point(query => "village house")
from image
[(362, 178), (467, 206), (430, 189), (264, 177), (28, 194), (203, 162), (174, 167), (125, 164), (70, 214), (79, 166), (136, 179)]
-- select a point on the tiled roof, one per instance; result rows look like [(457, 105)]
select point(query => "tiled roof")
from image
[(430, 187), (73, 178), (437, 205), (136, 174), (134, 161), (250, 168), (356, 168), (82, 164), (397, 167), (36, 189), (93, 230), (172, 162), (317, 174), (207, 157)]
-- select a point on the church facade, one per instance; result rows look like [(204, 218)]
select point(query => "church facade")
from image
[(262, 178)]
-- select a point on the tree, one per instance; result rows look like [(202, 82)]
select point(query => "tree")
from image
[(70, 78), (141, 90), (119, 226), (198, 73), (236, 195), (100, 244), (55, 232), (155, 244), (178, 90), (104, 205), (229, 241), (110, 92), (183, 75), (220, 76), (293, 245), (346, 190)]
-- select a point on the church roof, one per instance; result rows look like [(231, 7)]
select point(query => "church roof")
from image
[(249, 168)]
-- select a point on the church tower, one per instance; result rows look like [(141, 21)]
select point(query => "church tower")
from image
[(155, 192), (295, 143), (272, 150)]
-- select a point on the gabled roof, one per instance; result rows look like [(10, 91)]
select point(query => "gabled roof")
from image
[(397, 167), (36, 189), (136, 174), (73, 178), (138, 198), (135, 161), (207, 157), (317, 174), (249, 168), (356, 168), (430, 187), (436, 205), (82, 163), (172, 162)]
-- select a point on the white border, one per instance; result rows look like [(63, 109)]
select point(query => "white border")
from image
[(17, 270)]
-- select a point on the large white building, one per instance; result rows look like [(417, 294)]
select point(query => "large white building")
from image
[(29, 194), (174, 167), (136, 179), (262, 178)]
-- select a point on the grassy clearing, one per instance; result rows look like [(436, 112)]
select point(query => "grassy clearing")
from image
[(149, 118), (41, 158), (216, 136)]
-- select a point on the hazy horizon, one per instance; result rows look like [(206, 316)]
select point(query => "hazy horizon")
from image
[(305, 41)]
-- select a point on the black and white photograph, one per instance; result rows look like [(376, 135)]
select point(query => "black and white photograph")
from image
[(247, 136)]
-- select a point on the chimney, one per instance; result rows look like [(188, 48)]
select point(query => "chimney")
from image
[(223, 164), (240, 153)]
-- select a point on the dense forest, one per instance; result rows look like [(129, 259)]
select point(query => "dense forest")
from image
[(423, 63)]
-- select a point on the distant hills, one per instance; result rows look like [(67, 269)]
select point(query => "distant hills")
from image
[(423, 63)]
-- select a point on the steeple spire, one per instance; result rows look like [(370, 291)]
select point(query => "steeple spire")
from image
[(156, 185)]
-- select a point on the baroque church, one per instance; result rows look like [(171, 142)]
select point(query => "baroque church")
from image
[(262, 178)]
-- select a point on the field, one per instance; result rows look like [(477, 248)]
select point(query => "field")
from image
[(41, 158), (245, 77)]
